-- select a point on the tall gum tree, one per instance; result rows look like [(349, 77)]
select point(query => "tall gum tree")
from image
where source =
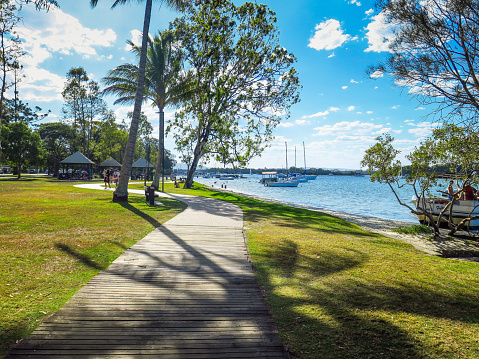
[(239, 82), (121, 192)]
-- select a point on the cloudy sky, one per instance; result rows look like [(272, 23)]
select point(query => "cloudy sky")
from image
[(341, 111)]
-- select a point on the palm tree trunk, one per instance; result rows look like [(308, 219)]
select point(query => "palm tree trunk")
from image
[(160, 163), (121, 193)]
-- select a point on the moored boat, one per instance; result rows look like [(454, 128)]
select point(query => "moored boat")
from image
[(461, 209), (283, 183)]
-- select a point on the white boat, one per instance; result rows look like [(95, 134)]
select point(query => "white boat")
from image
[(299, 177), (272, 179), (283, 183), (460, 209)]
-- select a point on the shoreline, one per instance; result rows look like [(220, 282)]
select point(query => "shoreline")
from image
[(456, 248)]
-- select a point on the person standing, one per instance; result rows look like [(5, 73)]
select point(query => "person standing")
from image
[(116, 176), (106, 178), (450, 190)]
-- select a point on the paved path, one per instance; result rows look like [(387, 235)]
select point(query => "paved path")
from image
[(186, 290)]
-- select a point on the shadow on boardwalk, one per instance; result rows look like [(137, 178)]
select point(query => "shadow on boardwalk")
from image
[(186, 290)]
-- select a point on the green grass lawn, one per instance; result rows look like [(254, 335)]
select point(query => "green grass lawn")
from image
[(54, 238), (335, 291)]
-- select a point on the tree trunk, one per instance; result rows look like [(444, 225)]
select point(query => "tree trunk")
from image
[(121, 192), (194, 164), (160, 163)]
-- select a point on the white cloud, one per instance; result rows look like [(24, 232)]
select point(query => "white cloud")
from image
[(353, 81), (355, 2), (395, 107), (422, 129), (355, 128), (323, 113), (332, 55), (328, 36), (369, 112), (54, 32), (286, 124), (135, 38), (351, 108), (59, 32), (379, 34), (377, 74), (344, 87), (302, 122), (369, 12)]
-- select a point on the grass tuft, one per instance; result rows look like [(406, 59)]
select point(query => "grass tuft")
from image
[(414, 229)]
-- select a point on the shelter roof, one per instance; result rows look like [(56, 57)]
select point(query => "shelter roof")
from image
[(141, 163), (110, 162), (77, 158)]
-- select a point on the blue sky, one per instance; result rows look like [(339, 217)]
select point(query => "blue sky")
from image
[(341, 111)]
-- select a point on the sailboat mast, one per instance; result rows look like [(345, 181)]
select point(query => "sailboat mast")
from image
[(287, 171), (304, 151)]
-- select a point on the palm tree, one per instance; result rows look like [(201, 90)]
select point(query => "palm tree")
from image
[(121, 192), (162, 68)]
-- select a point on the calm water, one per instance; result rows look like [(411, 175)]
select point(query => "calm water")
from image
[(350, 194)]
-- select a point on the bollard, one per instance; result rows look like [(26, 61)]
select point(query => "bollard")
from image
[(151, 195)]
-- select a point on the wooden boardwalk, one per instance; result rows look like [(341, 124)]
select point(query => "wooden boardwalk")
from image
[(186, 290)]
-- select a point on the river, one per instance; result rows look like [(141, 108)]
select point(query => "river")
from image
[(349, 194)]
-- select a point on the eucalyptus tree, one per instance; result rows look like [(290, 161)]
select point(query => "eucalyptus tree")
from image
[(121, 192), (84, 107), (162, 68), (435, 53), (240, 81)]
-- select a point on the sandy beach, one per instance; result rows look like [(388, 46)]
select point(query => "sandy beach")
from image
[(461, 247)]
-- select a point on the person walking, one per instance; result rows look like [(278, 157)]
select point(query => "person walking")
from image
[(106, 178), (116, 177)]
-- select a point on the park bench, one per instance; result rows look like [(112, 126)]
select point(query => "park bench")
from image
[(150, 195)]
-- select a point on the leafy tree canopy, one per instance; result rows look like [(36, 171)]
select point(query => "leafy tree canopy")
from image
[(435, 53), (22, 146), (239, 81)]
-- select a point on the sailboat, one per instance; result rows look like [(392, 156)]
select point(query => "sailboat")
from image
[(308, 177), (287, 182)]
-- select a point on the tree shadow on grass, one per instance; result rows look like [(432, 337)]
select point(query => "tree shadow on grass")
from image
[(77, 255), (21, 179), (141, 214), (353, 317)]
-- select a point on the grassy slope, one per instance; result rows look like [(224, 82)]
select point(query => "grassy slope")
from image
[(337, 291), (54, 238)]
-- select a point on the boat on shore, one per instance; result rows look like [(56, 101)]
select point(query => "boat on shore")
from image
[(461, 209)]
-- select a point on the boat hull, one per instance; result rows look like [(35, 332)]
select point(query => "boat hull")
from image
[(461, 209), (282, 184)]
